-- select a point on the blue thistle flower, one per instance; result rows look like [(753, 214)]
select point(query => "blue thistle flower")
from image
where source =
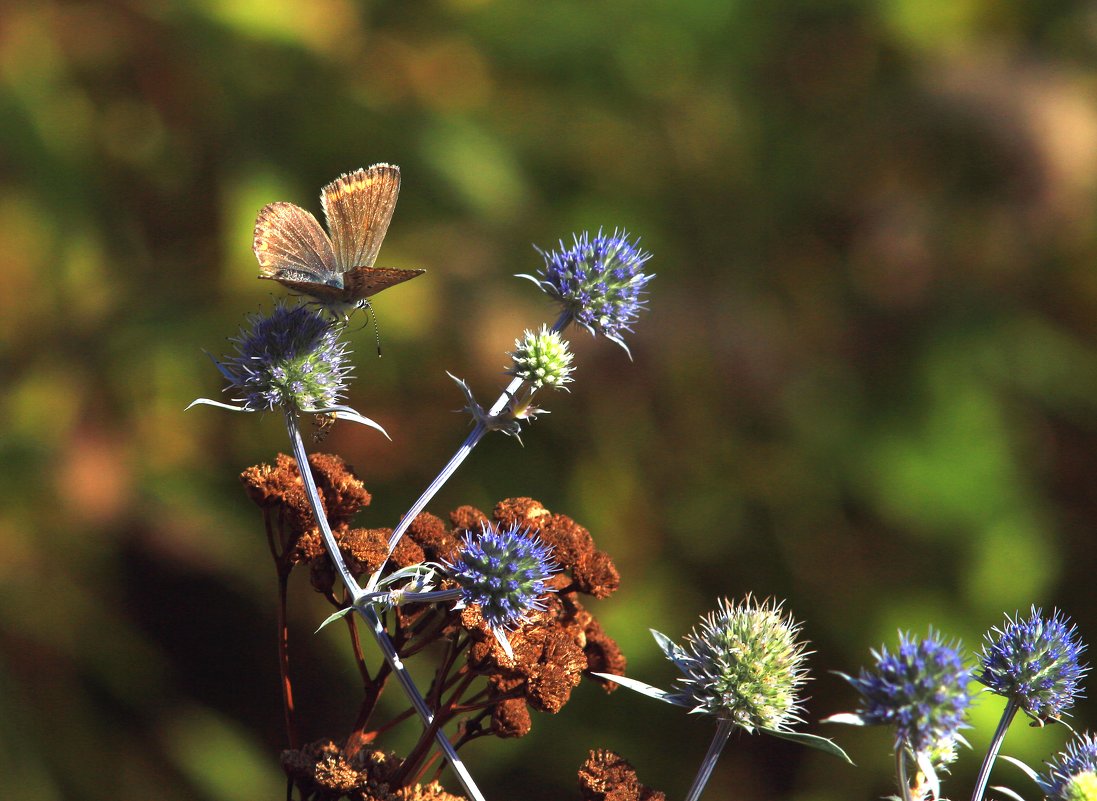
[(504, 572), (291, 358), (1072, 774), (598, 281), (1034, 663), (922, 690)]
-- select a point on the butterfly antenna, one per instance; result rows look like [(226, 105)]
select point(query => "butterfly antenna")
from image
[(376, 327)]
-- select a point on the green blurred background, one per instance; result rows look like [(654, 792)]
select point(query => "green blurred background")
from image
[(867, 382)]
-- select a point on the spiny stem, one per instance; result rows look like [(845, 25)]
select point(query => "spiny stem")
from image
[(708, 764), (370, 615), (471, 441), (992, 752)]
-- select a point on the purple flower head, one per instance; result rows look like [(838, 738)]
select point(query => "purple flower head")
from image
[(921, 689), (291, 358), (598, 281), (504, 571), (1034, 663)]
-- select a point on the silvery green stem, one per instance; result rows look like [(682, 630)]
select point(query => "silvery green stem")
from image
[(901, 771), (708, 764), (317, 508), (992, 752), (418, 702), (471, 441), (370, 615)]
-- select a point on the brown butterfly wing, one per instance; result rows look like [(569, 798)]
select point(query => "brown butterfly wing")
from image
[(359, 208), (329, 296), (292, 247), (365, 282)]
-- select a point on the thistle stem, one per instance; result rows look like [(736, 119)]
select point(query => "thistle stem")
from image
[(992, 752), (471, 441), (708, 764), (318, 509), (370, 615), (901, 771)]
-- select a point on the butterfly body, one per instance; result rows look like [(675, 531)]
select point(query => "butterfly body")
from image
[(336, 271)]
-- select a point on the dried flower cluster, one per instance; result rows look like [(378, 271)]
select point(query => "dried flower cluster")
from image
[(322, 770), (605, 776), (551, 647)]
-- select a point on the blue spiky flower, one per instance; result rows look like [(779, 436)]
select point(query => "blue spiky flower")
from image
[(922, 690), (1072, 774), (504, 571), (291, 359), (598, 280), (1034, 663), (744, 663)]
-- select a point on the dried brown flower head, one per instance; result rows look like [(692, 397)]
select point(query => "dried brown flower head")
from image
[(277, 490), (607, 776), (322, 770)]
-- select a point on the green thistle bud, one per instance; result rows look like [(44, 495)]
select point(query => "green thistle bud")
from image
[(1082, 787), (542, 358), (1072, 774), (744, 664)]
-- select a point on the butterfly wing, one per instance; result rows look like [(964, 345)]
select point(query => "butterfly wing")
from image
[(359, 207), (292, 247), (365, 282)]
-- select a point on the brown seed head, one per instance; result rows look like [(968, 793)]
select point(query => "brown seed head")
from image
[(607, 776)]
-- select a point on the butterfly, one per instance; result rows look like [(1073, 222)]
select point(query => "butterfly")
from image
[(336, 271)]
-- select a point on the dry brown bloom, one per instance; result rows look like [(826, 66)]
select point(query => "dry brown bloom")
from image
[(551, 652), (364, 550), (323, 771), (430, 534), (343, 493), (607, 776), (603, 653), (595, 574), (278, 489), (467, 518), (429, 792), (556, 645), (510, 718), (573, 547)]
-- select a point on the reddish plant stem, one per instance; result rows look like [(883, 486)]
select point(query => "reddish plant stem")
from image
[(283, 661), (356, 646)]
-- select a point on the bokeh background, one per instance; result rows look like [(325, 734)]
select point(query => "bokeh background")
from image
[(867, 383)]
